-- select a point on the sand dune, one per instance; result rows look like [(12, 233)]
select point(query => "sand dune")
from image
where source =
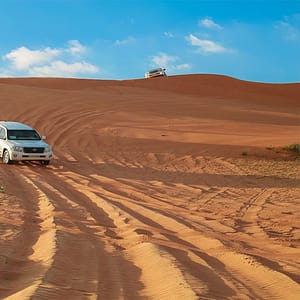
[(168, 188)]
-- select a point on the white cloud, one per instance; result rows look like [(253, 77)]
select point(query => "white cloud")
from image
[(163, 59), (168, 62), (22, 58), (127, 41), (168, 34), (5, 73), (288, 31), (62, 69), (181, 67), (75, 48), (206, 46), (209, 23), (62, 62)]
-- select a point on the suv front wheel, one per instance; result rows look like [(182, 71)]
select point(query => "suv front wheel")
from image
[(5, 157)]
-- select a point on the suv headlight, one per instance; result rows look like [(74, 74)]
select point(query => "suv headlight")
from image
[(18, 148), (47, 149)]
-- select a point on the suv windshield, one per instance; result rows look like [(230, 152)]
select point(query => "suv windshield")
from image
[(23, 135)]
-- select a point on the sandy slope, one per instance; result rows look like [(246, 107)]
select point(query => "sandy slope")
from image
[(149, 195)]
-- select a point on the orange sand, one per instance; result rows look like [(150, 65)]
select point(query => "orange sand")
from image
[(149, 195)]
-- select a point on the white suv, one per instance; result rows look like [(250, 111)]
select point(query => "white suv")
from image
[(19, 142), (156, 73)]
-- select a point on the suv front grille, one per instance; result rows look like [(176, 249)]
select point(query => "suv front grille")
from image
[(33, 150)]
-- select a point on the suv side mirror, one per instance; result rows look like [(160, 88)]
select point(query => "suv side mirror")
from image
[(43, 137)]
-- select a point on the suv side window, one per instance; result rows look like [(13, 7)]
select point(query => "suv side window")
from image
[(2, 133)]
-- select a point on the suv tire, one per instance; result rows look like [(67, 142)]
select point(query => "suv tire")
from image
[(5, 157)]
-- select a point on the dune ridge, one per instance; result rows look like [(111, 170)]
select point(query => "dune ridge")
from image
[(168, 188)]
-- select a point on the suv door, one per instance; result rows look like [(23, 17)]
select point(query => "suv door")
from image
[(2, 138)]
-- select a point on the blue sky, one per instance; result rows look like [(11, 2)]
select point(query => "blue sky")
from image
[(256, 40)]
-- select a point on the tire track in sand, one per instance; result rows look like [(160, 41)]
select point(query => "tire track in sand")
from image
[(85, 237), (44, 248), (233, 263)]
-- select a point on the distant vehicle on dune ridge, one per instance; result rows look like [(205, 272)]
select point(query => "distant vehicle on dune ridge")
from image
[(156, 73)]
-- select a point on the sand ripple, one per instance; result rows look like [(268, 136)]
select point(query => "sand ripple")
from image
[(149, 195)]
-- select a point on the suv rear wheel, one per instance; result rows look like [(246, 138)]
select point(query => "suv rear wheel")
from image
[(5, 157)]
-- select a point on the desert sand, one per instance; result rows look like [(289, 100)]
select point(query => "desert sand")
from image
[(164, 188)]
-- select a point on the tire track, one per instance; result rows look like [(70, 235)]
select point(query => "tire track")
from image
[(42, 257), (135, 207), (101, 260), (170, 224)]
